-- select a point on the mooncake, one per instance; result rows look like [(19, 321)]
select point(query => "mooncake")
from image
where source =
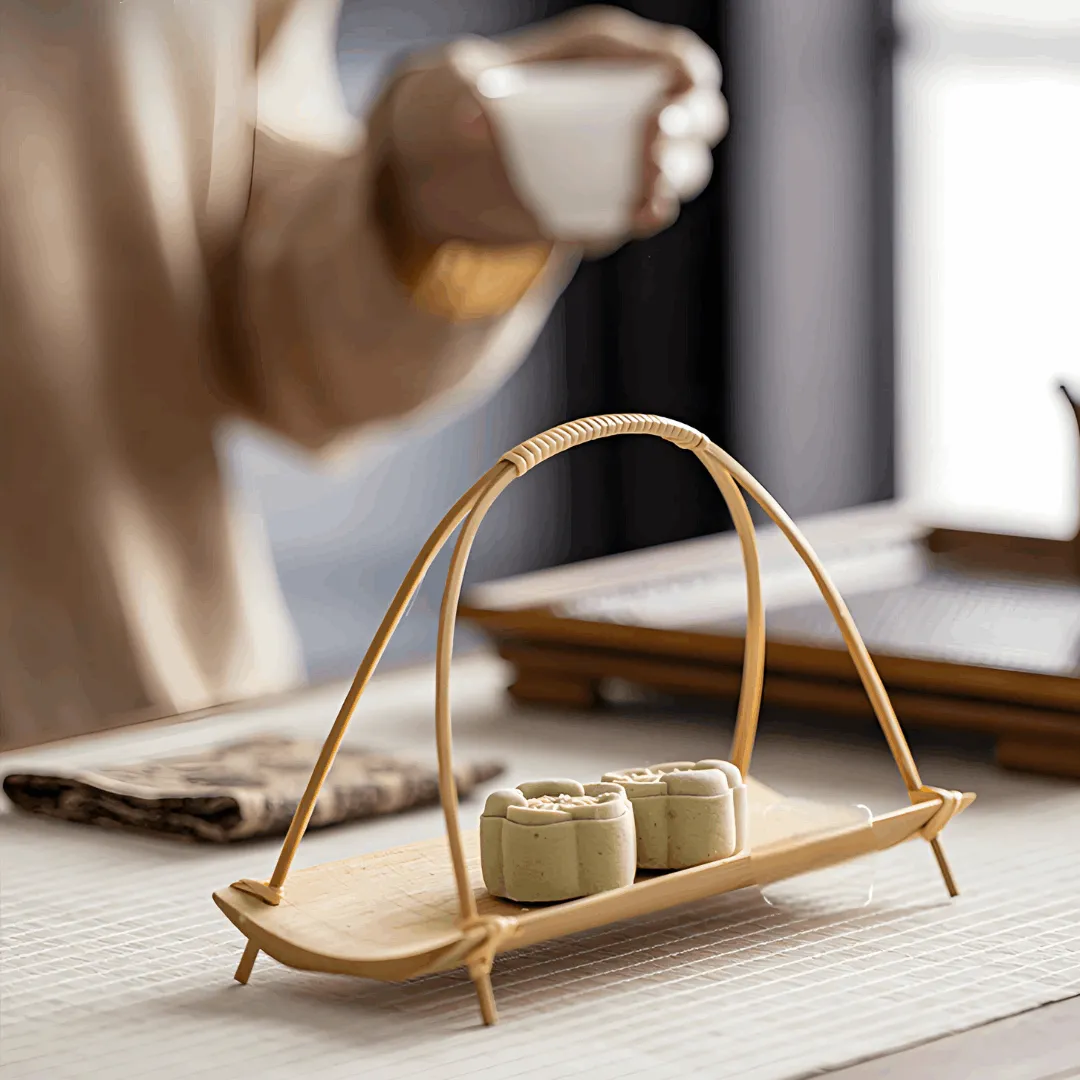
[(551, 840), (685, 812)]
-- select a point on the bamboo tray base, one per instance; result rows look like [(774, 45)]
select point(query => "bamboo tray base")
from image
[(394, 915)]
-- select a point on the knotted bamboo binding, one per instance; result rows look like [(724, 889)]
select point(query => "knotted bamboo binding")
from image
[(482, 935)]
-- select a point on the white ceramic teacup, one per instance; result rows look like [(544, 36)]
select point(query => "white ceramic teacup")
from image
[(572, 133)]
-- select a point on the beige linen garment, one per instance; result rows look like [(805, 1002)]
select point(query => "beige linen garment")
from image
[(184, 237)]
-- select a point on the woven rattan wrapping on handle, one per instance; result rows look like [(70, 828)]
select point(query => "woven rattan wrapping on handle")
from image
[(566, 436)]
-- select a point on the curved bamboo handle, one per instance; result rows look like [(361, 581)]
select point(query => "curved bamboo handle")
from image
[(517, 462), (864, 665), (271, 891), (860, 655), (533, 451), (475, 503)]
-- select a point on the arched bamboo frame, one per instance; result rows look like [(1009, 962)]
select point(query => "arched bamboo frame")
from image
[(731, 479)]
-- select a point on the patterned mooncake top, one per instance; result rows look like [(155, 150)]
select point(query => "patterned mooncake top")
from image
[(710, 777), (548, 802)]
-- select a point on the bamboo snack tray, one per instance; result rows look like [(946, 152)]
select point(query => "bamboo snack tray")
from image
[(423, 908)]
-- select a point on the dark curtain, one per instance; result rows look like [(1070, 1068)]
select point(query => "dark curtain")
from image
[(646, 331)]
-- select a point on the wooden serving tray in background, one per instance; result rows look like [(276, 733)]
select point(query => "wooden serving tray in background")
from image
[(959, 643)]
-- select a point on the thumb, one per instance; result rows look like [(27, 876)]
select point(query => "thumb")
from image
[(470, 121), (470, 57)]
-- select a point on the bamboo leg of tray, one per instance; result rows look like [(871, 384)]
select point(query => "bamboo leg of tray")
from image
[(750, 697), (868, 673), (524, 457), (485, 994), (528, 455), (943, 866), (247, 962), (479, 970), (749, 701)]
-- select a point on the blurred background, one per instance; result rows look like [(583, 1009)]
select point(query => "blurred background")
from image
[(874, 299)]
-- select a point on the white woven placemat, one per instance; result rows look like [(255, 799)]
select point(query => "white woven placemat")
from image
[(116, 963)]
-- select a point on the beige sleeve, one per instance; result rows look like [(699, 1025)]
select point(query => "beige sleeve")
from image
[(325, 336)]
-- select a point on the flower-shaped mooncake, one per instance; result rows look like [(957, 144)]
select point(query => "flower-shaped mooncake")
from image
[(685, 812), (557, 840)]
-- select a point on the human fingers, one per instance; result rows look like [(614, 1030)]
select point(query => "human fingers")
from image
[(678, 157), (610, 33)]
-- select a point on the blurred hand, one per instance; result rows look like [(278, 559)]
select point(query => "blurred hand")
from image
[(447, 167)]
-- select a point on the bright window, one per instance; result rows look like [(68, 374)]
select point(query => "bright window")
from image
[(988, 120)]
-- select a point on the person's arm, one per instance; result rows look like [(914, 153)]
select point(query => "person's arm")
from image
[(335, 312), (379, 276)]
